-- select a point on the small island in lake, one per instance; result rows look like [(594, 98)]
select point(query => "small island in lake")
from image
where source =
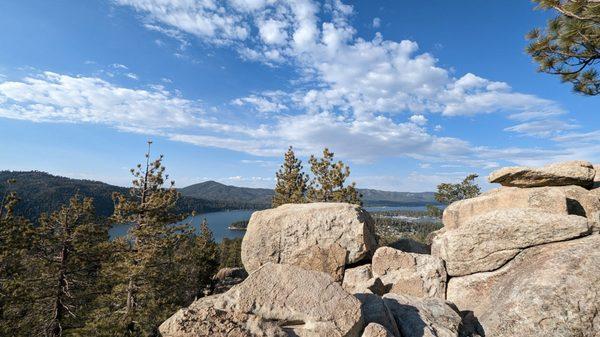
[(238, 225)]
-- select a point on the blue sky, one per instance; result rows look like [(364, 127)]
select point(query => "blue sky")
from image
[(409, 93)]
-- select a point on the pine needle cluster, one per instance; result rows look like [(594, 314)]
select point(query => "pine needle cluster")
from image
[(569, 46)]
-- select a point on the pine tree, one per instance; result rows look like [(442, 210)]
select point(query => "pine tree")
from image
[(449, 193), (148, 271), (570, 44), (199, 259), (328, 181), (291, 181), (74, 241), (15, 244), (57, 289)]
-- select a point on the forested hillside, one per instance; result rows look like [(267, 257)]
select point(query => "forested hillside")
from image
[(212, 190), (42, 192)]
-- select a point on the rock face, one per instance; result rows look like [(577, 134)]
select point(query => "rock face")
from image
[(412, 274), (376, 330), (374, 310), (304, 303), (544, 199), (330, 260), (567, 173), (360, 280), (202, 319), (428, 317), (597, 177), (551, 290), (582, 202), (488, 241), (279, 235)]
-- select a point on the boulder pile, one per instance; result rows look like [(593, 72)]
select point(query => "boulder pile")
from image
[(521, 260), (525, 261)]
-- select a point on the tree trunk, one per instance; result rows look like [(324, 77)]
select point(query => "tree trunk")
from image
[(56, 326)]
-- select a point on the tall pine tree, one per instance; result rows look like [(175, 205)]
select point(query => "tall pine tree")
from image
[(328, 183), (291, 181), (159, 266)]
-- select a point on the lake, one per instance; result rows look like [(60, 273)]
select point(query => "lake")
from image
[(219, 221)]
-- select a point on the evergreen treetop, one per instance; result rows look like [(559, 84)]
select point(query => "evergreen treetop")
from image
[(291, 181)]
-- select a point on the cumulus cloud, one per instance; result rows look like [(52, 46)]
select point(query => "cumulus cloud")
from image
[(418, 119), (354, 90)]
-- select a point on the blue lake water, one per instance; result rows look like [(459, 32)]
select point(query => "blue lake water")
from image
[(219, 221)]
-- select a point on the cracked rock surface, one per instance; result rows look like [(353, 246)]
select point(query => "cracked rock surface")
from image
[(488, 241), (552, 290), (301, 302)]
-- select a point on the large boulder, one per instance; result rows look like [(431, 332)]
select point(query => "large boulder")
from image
[(551, 290), (304, 302), (545, 199), (566, 173), (202, 319), (278, 235), (488, 241), (597, 177), (412, 274), (274, 298), (423, 317)]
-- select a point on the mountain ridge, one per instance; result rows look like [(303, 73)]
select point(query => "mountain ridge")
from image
[(41, 192), (213, 190)]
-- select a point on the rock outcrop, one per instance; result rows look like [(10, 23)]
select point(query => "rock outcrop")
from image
[(560, 174), (280, 235), (412, 274), (521, 260), (525, 261), (488, 241), (423, 317), (203, 319), (301, 302), (552, 290), (543, 199)]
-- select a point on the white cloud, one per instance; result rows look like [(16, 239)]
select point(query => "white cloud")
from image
[(542, 128), (376, 22), (273, 31), (132, 76), (52, 97), (418, 119), (261, 104)]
